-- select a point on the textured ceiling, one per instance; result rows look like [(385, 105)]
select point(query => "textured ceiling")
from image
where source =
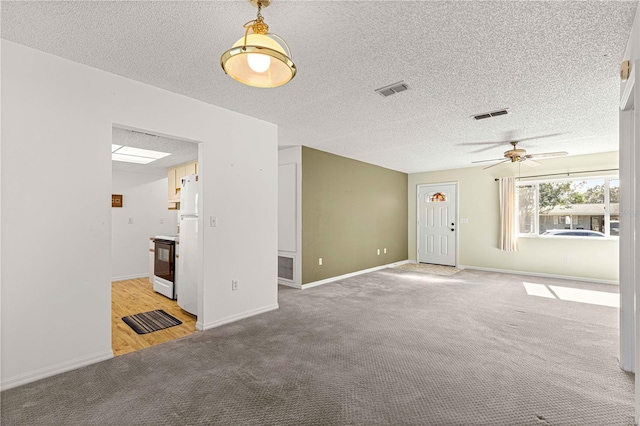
[(181, 151), (553, 64)]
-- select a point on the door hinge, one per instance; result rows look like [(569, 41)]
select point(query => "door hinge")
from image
[(625, 70)]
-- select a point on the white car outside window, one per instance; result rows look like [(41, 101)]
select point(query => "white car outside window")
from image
[(573, 233)]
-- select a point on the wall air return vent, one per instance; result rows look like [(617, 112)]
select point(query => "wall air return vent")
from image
[(392, 89), (285, 267), (490, 114)]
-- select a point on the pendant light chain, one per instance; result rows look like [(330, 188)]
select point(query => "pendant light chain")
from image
[(259, 26)]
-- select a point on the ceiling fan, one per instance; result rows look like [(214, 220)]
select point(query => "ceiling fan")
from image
[(519, 155)]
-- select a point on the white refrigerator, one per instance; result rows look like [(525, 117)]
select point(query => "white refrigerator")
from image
[(188, 261)]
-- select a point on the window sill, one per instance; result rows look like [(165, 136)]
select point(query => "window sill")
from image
[(567, 237)]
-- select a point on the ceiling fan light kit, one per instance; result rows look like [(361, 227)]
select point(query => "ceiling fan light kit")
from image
[(259, 58), (519, 155), (515, 154)]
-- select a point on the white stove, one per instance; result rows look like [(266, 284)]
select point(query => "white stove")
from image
[(164, 270), (167, 237)]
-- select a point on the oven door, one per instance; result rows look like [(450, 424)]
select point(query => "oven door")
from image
[(164, 260)]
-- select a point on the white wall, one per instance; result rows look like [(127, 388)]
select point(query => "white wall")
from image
[(478, 201), (57, 117), (145, 205), (289, 210)]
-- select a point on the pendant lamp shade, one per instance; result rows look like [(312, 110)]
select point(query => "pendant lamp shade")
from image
[(261, 62), (257, 59)]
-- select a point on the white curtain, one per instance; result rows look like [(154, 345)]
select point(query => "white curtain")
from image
[(508, 215)]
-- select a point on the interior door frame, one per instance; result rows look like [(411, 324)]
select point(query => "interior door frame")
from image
[(457, 217), (629, 357)]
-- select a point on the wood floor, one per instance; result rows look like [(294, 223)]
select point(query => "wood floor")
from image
[(136, 296)]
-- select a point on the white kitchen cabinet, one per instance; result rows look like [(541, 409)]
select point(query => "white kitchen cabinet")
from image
[(191, 168), (174, 175), (171, 176)]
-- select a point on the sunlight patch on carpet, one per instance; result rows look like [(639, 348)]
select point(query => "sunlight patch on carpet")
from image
[(570, 294)]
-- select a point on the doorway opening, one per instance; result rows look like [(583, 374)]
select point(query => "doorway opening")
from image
[(147, 209)]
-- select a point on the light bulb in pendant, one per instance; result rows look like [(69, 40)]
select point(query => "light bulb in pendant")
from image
[(258, 62)]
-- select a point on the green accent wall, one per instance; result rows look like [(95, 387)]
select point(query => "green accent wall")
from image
[(350, 209)]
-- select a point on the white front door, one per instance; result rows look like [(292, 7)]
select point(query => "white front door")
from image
[(437, 228)]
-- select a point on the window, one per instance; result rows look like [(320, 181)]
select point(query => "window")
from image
[(553, 207), (438, 197)]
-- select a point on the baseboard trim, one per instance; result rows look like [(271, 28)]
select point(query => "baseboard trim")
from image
[(201, 327), (540, 274), (352, 274), (130, 277), (290, 284), (43, 373)]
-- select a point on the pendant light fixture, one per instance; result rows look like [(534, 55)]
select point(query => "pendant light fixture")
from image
[(258, 59)]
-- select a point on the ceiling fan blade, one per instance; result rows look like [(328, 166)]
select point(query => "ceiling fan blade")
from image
[(490, 145), (488, 148), (508, 138), (482, 143), (493, 165), (484, 161), (579, 138), (548, 154), (540, 137), (509, 135), (529, 162)]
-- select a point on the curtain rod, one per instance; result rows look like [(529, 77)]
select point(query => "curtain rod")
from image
[(563, 174)]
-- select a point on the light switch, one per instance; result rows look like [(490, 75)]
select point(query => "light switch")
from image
[(213, 221)]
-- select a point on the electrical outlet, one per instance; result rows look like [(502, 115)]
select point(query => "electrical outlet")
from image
[(234, 285), (162, 221), (378, 252), (385, 250), (130, 221), (320, 261)]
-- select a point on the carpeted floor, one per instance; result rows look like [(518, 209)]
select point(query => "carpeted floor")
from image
[(387, 348), (428, 268)]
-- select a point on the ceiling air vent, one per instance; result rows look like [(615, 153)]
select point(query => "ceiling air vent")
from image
[(392, 89), (490, 114), (142, 133)]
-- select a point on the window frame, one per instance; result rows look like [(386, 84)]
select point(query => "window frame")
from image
[(536, 214)]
